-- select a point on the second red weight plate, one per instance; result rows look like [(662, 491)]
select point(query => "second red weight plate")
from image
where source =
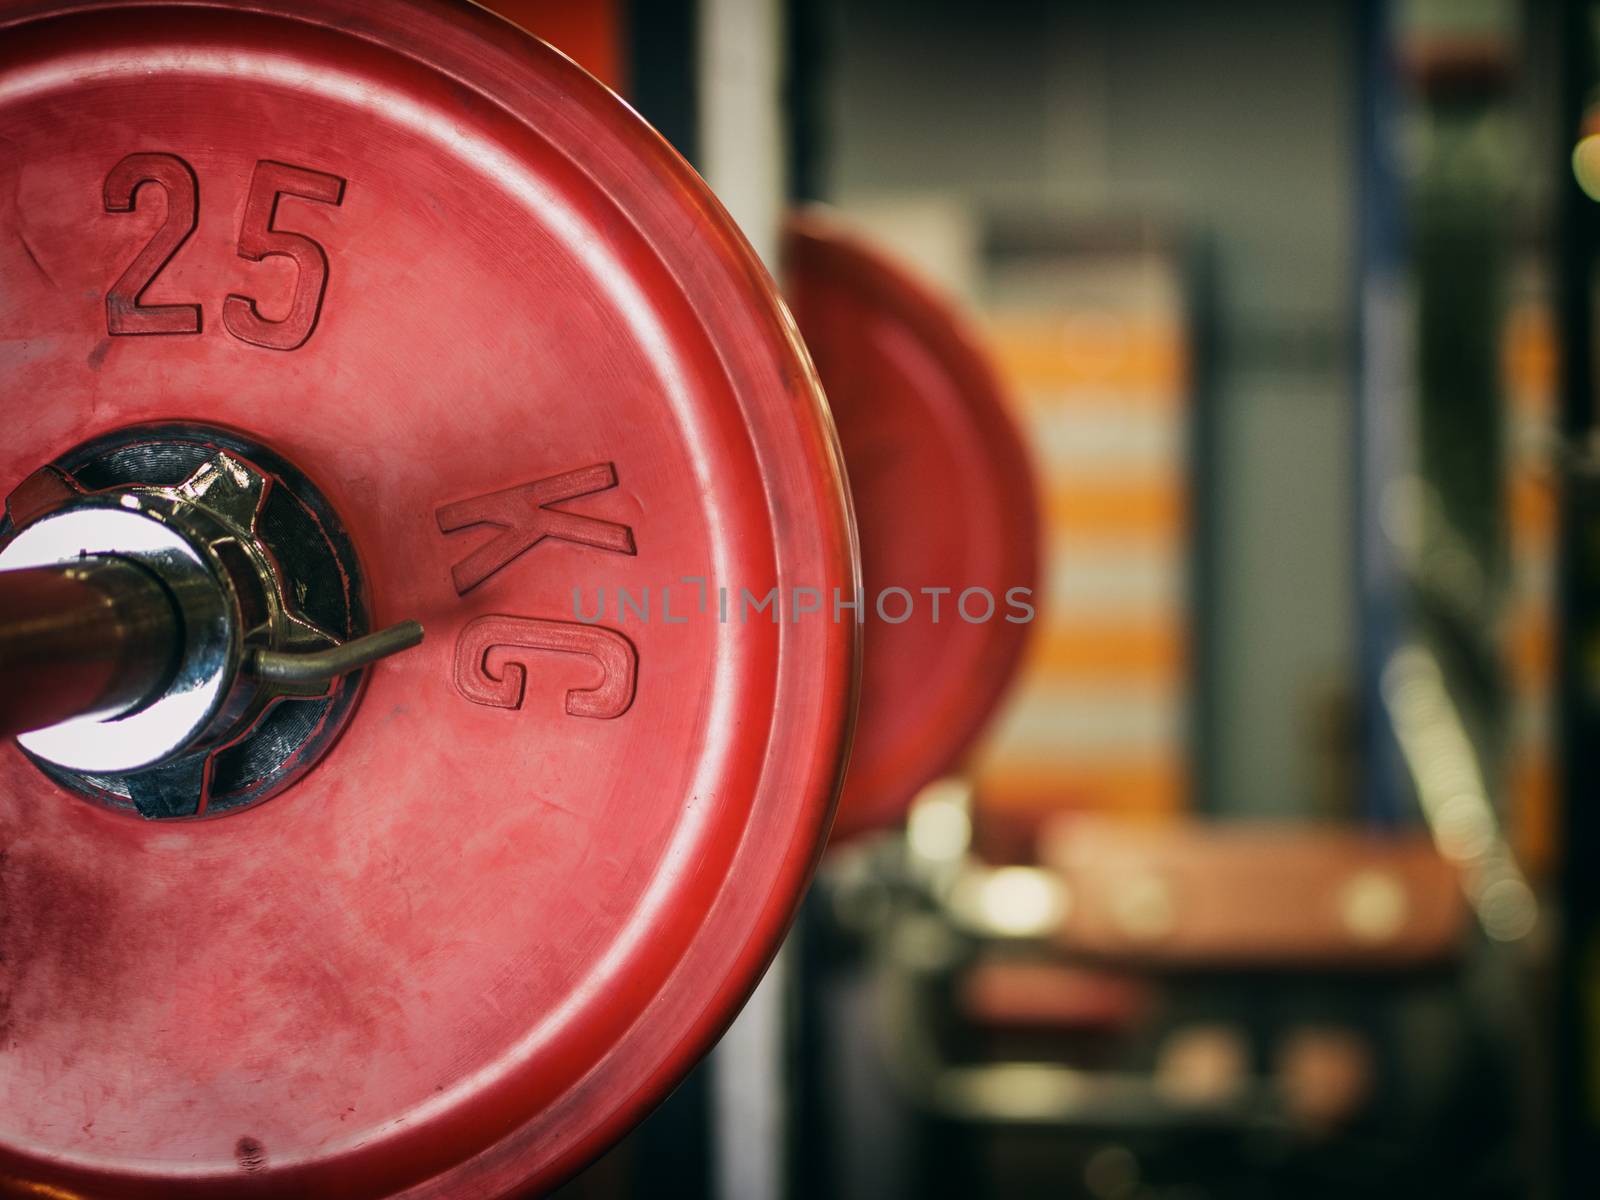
[(944, 502), (520, 351)]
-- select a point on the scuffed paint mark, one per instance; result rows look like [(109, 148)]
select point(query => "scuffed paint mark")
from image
[(34, 258), (250, 1154), (13, 206)]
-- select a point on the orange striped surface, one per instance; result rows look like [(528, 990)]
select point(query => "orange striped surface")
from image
[(1530, 650), (1528, 635), (1150, 508), (1529, 355), (1532, 782), (1096, 722), (1146, 357), (1532, 502), (1158, 650), (1151, 786)]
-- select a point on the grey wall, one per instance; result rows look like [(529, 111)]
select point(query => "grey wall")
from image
[(1233, 122)]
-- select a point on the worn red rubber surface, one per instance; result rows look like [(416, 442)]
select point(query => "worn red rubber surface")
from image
[(454, 281), (944, 500)]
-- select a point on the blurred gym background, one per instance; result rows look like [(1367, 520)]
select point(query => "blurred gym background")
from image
[(1274, 877)]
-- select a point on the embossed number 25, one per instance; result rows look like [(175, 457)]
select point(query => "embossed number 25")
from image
[(259, 238)]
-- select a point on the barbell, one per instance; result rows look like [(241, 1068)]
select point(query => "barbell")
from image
[(418, 584)]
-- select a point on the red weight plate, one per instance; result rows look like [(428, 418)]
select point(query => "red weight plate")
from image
[(944, 500), (520, 349)]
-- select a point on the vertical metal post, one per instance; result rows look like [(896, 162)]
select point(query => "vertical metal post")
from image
[(1577, 1052), (743, 151), (1385, 401)]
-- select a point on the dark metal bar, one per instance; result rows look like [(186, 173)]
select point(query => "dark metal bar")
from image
[(1574, 1049), (93, 638), (1384, 408)]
